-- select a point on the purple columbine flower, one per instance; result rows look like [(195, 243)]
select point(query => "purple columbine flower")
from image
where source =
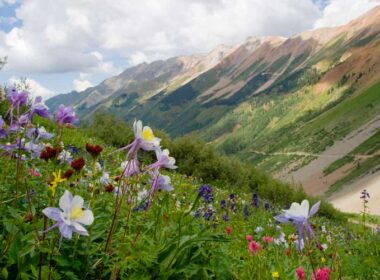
[(163, 183), (163, 160), (17, 98), (71, 216), (130, 168), (37, 133), (299, 215), (38, 107), (65, 115), (3, 132)]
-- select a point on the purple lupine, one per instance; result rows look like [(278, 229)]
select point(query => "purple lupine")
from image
[(222, 204), (255, 200), (208, 213), (71, 216), (226, 218), (299, 215), (205, 192), (364, 196), (65, 115), (3, 131), (231, 196)]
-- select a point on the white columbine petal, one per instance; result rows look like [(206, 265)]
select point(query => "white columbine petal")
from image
[(65, 201)]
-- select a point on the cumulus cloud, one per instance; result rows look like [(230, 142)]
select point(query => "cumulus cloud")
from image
[(64, 36), (82, 84), (339, 12), (35, 88)]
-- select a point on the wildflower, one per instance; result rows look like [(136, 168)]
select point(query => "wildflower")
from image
[(130, 167), (225, 217), (222, 204), (255, 200), (280, 239), (246, 212), (144, 135), (254, 247), (163, 183), (109, 188), (3, 132), (267, 239), (78, 164), (259, 229), (16, 98), (275, 274), (94, 150), (34, 172), (38, 107), (105, 179), (205, 192), (65, 115), (231, 196), (50, 152), (70, 216), (36, 133), (65, 156), (54, 183), (68, 174), (300, 273), (229, 230), (321, 274), (323, 260), (299, 215), (249, 238), (208, 213), (163, 160), (266, 206), (34, 149), (364, 196)]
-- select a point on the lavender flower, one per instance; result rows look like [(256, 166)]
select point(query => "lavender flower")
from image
[(299, 214), (65, 115), (71, 216), (38, 107), (222, 204), (130, 167), (16, 98), (225, 217), (163, 183), (163, 160), (3, 132)]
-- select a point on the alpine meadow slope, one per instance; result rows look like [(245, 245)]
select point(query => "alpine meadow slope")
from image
[(279, 103)]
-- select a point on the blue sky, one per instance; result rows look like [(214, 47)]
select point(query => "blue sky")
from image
[(63, 45)]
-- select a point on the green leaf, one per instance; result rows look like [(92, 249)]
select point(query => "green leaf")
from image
[(4, 273)]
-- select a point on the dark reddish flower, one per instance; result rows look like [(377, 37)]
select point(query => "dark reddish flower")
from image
[(78, 164), (68, 174), (94, 150), (110, 188), (50, 152)]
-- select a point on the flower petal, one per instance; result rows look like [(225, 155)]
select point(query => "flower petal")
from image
[(314, 209), (52, 213), (77, 202), (87, 218), (305, 208), (65, 201), (65, 230), (78, 228)]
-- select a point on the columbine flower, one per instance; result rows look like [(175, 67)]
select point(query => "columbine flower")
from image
[(299, 215), (300, 273), (71, 216), (163, 160), (65, 156), (144, 135), (130, 168), (54, 183), (65, 115), (38, 133), (17, 98), (38, 107), (163, 183)]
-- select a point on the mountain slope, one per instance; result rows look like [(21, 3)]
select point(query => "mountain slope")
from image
[(276, 102)]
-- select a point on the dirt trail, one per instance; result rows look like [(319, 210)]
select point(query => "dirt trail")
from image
[(311, 176), (348, 200)]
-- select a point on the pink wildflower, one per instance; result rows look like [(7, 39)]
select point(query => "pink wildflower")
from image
[(249, 238), (321, 274), (254, 247), (300, 273), (267, 239), (229, 230)]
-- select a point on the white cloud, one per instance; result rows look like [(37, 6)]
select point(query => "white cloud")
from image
[(339, 12), (35, 88), (86, 36), (82, 84)]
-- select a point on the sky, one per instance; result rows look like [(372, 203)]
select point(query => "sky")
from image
[(66, 45)]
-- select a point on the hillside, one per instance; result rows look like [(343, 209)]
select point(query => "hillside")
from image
[(279, 103)]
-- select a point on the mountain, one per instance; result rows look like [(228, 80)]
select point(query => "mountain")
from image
[(284, 104)]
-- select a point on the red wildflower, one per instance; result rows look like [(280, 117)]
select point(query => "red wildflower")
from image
[(300, 273), (254, 247), (50, 152), (267, 239), (34, 172), (94, 150), (110, 188), (229, 230), (321, 274), (249, 238), (78, 164), (68, 174)]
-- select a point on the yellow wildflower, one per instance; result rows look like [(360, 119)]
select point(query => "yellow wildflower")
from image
[(57, 179), (275, 274)]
